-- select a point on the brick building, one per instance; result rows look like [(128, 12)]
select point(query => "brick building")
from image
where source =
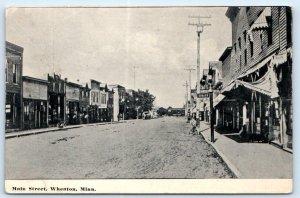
[(258, 96), (13, 82)]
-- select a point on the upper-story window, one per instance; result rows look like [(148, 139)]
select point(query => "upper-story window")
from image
[(270, 30), (240, 43), (261, 40), (251, 48), (245, 36), (240, 61), (235, 47), (6, 70), (15, 73), (245, 54), (289, 25)]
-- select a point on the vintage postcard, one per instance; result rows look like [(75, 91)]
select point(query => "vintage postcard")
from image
[(148, 100)]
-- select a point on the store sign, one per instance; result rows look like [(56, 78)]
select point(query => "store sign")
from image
[(72, 93), (33, 90)]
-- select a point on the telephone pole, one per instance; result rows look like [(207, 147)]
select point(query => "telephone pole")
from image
[(190, 69), (186, 98), (200, 27)]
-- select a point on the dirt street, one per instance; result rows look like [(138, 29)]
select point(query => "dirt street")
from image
[(157, 148)]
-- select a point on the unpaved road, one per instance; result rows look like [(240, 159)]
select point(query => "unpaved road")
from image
[(158, 148)]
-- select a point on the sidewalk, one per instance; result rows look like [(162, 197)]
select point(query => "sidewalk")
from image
[(251, 160), (53, 129)]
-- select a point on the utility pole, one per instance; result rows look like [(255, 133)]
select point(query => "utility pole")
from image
[(190, 69), (200, 27), (186, 98)]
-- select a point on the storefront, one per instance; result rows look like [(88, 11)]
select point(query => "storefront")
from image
[(35, 103), (72, 103)]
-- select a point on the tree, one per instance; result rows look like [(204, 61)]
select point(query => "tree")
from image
[(145, 100)]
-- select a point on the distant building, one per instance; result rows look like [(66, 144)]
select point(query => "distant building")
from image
[(13, 81), (119, 101)]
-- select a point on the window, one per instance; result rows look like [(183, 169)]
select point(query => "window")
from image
[(289, 25), (261, 40), (247, 8), (235, 47), (270, 30), (240, 61), (6, 70), (245, 54), (251, 48), (240, 44), (245, 36), (15, 71)]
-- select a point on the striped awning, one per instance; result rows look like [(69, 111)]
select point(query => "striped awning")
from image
[(261, 21)]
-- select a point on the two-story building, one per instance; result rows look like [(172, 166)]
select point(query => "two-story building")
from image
[(13, 80), (260, 73)]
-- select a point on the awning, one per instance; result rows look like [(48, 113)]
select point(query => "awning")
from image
[(262, 87), (256, 67), (218, 99), (229, 87), (261, 21)]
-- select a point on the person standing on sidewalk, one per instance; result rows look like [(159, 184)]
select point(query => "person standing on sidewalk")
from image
[(194, 124)]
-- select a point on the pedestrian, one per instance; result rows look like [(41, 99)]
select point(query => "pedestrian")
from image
[(193, 123)]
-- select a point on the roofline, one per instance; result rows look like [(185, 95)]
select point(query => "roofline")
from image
[(29, 78), (225, 54), (13, 46)]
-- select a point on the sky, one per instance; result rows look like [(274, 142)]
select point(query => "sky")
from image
[(106, 43)]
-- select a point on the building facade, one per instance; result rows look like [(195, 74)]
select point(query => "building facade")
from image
[(258, 98), (35, 103), (56, 94), (72, 103), (13, 82)]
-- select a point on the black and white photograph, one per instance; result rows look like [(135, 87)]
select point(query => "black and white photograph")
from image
[(142, 94)]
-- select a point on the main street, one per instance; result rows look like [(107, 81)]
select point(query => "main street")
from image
[(156, 148)]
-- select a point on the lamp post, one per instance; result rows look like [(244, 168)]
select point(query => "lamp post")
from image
[(212, 138)]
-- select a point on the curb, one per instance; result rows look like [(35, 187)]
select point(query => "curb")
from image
[(8, 136), (229, 165)]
